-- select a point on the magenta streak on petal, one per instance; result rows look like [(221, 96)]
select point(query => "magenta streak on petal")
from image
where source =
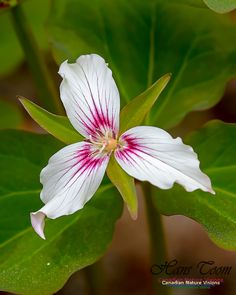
[(94, 123), (105, 116), (133, 144), (132, 147), (104, 119), (126, 155), (86, 162), (99, 117), (90, 128)]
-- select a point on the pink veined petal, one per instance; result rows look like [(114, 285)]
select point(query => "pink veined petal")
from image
[(90, 95), (70, 179), (151, 154)]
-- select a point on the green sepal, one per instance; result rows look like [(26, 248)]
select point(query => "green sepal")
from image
[(134, 113), (58, 126), (125, 185)]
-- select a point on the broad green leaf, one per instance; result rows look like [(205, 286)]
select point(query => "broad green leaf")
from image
[(215, 145), (134, 113), (221, 6), (28, 264), (125, 185), (11, 54), (10, 115), (143, 40), (59, 126)]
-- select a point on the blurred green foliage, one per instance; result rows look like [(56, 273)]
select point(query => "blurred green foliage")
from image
[(10, 115), (11, 54), (142, 40)]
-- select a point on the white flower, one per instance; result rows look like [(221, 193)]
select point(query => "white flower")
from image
[(92, 103)]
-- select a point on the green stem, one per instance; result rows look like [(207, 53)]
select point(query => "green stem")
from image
[(45, 86), (157, 237)]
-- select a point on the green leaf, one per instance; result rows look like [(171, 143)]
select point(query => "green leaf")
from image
[(10, 115), (59, 126), (28, 264), (162, 37), (215, 144), (134, 113), (11, 54), (125, 185), (221, 6)]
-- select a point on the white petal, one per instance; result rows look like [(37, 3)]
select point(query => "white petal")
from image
[(69, 180), (90, 95), (151, 154), (38, 222)]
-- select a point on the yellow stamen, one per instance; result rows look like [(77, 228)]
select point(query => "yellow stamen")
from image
[(111, 144)]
